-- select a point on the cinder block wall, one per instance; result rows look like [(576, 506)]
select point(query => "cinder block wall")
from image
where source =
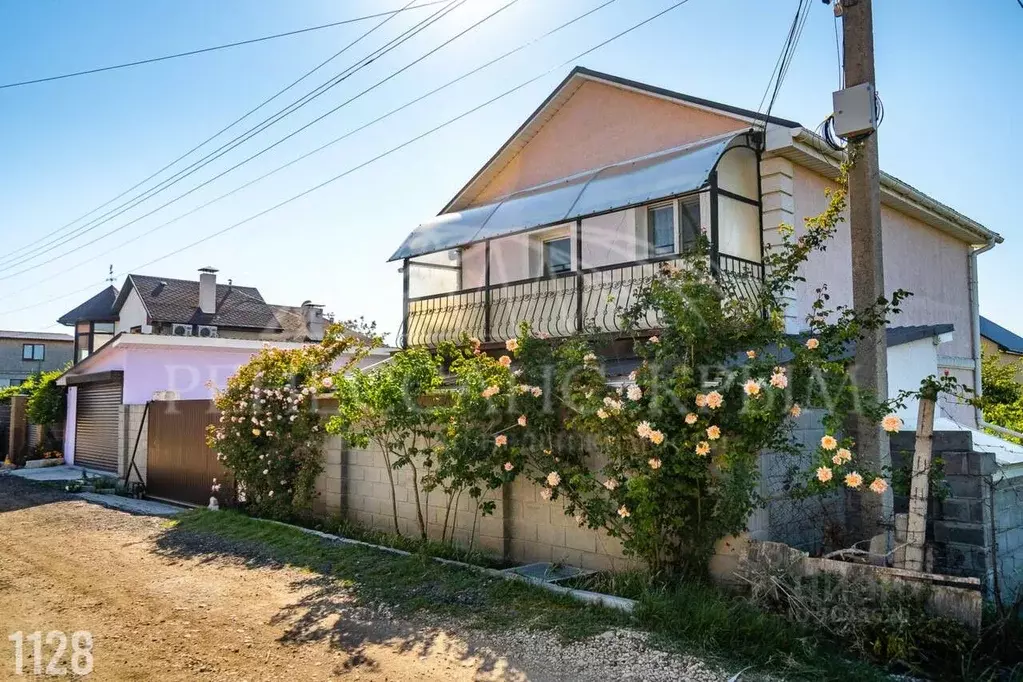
[(523, 528), (803, 524), (1007, 501), (130, 422), (977, 531)]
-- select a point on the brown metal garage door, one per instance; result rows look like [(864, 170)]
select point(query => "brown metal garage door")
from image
[(179, 464), (96, 425)]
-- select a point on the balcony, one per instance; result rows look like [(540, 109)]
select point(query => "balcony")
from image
[(571, 254), (558, 305)]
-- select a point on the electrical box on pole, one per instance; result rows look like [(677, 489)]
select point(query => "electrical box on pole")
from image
[(855, 111)]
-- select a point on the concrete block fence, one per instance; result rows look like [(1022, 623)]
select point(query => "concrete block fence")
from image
[(523, 528), (977, 530)]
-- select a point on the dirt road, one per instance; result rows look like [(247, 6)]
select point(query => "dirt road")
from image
[(158, 611)]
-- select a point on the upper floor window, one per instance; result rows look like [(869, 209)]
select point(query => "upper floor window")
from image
[(557, 255), (689, 221), (661, 226), (90, 336), (33, 351), (661, 229)]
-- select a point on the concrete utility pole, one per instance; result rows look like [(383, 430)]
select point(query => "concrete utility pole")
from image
[(871, 370)]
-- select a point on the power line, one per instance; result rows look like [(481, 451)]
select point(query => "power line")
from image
[(210, 138), (265, 149), (314, 151), (374, 159), (781, 67), (235, 142), (214, 48)]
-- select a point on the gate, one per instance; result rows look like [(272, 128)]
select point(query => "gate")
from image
[(180, 466)]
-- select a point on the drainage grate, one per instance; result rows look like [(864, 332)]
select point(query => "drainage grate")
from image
[(546, 572)]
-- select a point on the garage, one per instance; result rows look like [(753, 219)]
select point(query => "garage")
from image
[(97, 419)]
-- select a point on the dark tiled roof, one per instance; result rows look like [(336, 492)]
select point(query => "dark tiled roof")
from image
[(99, 308), (1006, 340), (177, 300), (36, 336)]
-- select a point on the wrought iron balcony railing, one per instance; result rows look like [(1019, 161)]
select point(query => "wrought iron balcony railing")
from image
[(558, 305)]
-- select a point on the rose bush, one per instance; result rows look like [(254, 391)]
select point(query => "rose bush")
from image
[(270, 432)]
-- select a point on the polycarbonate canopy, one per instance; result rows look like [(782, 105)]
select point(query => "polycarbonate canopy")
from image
[(639, 181)]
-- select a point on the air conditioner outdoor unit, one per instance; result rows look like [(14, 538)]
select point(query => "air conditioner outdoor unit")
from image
[(182, 330), (207, 331), (146, 329)]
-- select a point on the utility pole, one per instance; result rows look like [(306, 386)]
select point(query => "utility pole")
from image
[(871, 368)]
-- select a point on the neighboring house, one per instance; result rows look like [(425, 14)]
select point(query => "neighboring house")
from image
[(999, 342), (175, 307), (610, 178), (23, 354), (161, 335)]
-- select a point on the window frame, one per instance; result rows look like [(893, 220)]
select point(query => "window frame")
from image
[(28, 352), (546, 269), (652, 248), (696, 221)]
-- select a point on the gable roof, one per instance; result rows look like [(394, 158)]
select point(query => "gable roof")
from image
[(1005, 339), (565, 90), (99, 308), (177, 300)]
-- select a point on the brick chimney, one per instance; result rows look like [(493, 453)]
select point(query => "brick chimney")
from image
[(208, 290)]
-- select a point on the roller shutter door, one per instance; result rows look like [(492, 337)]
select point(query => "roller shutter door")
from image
[(96, 425)]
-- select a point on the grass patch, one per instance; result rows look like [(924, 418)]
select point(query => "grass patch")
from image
[(413, 583), (688, 618), (414, 545)]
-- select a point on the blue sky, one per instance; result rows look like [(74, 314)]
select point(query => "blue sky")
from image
[(950, 81)]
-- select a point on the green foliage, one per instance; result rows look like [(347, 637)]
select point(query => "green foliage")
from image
[(270, 432), (881, 622), (388, 407), (1002, 399), (668, 462), (47, 402)]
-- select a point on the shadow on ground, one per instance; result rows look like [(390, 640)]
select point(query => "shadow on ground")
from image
[(334, 608), (17, 493)]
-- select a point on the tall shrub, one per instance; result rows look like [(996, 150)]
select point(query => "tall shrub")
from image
[(388, 407), (270, 433)]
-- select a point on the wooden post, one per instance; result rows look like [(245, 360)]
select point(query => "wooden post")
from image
[(920, 488), (19, 429)]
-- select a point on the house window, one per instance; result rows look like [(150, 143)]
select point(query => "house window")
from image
[(689, 221), (33, 351), (661, 229), (90, 337), (557, 255), (102, 332)]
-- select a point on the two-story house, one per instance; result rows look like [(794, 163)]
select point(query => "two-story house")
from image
[(167, 337), (610, 178), (23, 354)]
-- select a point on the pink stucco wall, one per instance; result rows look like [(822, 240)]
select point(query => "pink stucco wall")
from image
[(917, 258), (601, 124), (191, 372)]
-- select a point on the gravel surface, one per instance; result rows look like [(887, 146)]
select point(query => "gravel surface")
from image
[(167, 605)]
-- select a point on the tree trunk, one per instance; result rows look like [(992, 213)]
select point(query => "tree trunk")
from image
[(415, 491), (447, 515), (920, 487), (390, 479)]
